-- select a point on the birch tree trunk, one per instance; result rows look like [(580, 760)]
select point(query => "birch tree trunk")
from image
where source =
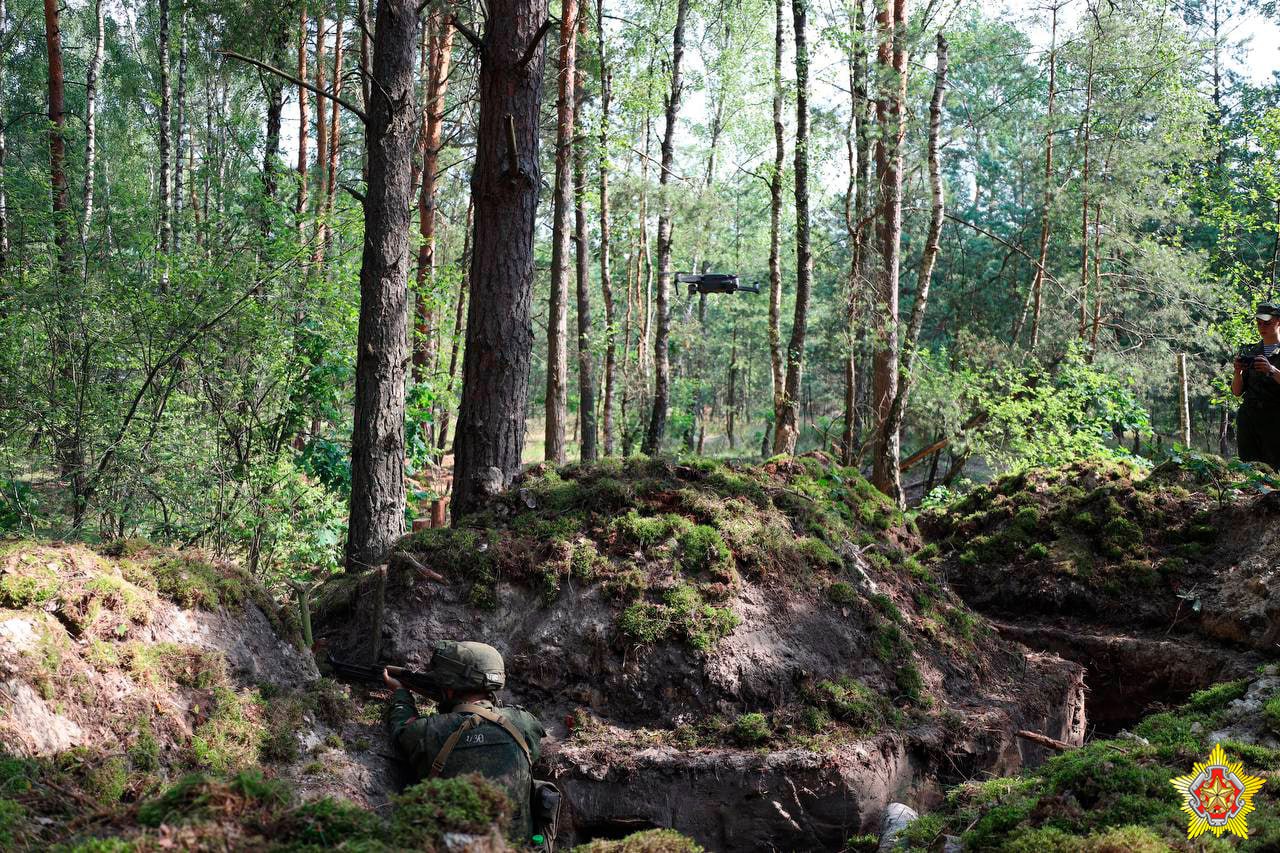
[(495, 385), (606, 282), (662, 342), (557, 307), (787, 414), (180, 130), (90, 130), (1184, 402), (166, 223)]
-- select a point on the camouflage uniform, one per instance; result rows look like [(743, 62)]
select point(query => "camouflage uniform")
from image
[(487, 749)]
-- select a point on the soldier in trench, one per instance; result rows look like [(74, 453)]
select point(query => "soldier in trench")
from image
[(1257, 378), (473, 734)]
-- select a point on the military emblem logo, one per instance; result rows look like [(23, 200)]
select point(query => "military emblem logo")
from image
[(1218, 796)]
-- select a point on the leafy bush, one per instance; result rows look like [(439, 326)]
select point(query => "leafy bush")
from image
[(427, 811)]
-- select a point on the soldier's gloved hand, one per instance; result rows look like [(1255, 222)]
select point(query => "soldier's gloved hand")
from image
[(391, 682)]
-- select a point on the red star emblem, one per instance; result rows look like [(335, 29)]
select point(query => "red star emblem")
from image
[(1217, 796)]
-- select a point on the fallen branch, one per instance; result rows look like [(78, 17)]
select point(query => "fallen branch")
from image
[(429, 574), (1045, 740)]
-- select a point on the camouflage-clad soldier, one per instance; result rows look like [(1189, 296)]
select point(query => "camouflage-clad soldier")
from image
[(471, 733)]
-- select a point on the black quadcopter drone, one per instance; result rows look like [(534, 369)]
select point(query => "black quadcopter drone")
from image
[(713, 282)]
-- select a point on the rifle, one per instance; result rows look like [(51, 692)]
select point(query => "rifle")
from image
[(420, 682)]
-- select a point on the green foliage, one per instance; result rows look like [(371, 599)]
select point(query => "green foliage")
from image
[(683, 614), (19, 508), (1218, 696), (751, 729), (11, 818), (20, 591), (232, 736), (648, 841), (425, 812), (842, 593)]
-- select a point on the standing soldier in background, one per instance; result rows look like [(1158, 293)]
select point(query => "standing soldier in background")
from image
[(473, 734), (1258, 379)]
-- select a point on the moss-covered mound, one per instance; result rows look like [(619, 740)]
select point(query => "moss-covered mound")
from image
[(1100, 540), (1116, 795)]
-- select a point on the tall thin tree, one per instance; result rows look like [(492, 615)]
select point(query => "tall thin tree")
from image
[(662, 340), (775, 216), (558, 306), (166, 221), (891, 61), (606, 281), (891, 429), (787, 416), (582, 269), (90, 127)]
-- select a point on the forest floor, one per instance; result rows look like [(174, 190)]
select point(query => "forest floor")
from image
[(754, 655)]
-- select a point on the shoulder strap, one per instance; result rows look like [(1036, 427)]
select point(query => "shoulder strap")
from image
[(498, 720), (476, 714)]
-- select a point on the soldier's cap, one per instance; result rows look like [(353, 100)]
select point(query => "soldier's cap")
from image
[(466, 665), (1267, 311)]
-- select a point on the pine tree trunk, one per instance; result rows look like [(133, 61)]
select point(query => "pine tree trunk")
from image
[(606, 282), (775, 218), (855, 220), (300, 206), (67, 444), (891, 431), (458, 315), (661, 345), (335, 128), (377, 439), (322, 140), (1084, 198), (891, 57), (557, 306), (787, 414), (495, 370), (439, 55), (1037, 281), (166, 223), (586, 382)]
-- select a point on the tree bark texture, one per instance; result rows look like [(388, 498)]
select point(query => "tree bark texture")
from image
[(322, 138), (335, 128), (891, 431), (180, 128), (787, 415), (460, 306), (300, 206), (662, 339), (856, 221), (166, 222), (606, 282), (891, 58), (775, 217), (586, 381), (557, 306), (377, 439), (505, 180), (4, 200), (439, 55), (90, 126), (1037, 282)]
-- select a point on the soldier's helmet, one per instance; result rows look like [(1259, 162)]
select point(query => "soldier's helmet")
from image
[(467, 666)]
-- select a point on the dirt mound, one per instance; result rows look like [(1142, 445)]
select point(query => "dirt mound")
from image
[(770, 642), (1115, 795), (123, 670), (1188, 548)]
